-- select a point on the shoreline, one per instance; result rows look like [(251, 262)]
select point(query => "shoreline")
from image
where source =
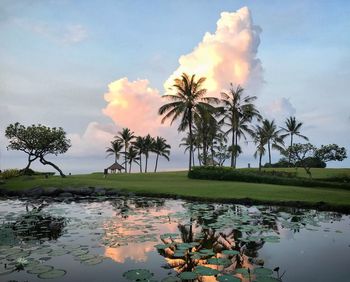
[(100, 193)]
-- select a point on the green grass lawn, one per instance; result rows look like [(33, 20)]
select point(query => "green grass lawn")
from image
[(177, 184)]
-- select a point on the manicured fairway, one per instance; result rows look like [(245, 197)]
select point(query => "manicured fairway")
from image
[(177, 184)]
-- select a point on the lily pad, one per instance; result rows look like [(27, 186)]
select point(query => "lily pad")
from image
[(188, 275), (262, 271), (138, 274), (52, 274), (39, 268), (205, 271), (171, 279), (228, 278), (219, 261), (230, 252)]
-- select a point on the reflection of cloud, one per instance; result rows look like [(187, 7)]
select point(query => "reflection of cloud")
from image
[(228, 55), (135, 252)]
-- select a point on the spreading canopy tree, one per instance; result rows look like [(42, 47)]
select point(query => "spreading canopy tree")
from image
[(38, 141)]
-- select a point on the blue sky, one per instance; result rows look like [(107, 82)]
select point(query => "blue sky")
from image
[(58, 57)]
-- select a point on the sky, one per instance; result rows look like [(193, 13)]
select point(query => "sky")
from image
[(94, 67)]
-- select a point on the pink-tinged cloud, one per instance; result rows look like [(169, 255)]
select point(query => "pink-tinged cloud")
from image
[(227, 55), (93, 141), (134, 104)]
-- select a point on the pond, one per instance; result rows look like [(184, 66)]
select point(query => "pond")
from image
[(152, 239)]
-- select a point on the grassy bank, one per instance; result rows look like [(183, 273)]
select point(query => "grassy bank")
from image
[(177, 184)]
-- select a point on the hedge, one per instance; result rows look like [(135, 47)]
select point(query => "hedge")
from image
[(231, 174)]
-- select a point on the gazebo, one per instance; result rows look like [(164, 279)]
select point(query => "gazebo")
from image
[(114, 167)]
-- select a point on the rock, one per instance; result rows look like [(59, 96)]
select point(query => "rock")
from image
[(65, 195), (52, 191), (34, 192), (85, 191), (98, 191)]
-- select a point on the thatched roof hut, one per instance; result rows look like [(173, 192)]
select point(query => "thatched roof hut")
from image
[(114, 167)]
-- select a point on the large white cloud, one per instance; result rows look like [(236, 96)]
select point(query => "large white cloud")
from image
[(133, 104), (228, 55)]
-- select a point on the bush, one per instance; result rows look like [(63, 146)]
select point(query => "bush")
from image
[(313, 162), (231, 174), (10, 173)]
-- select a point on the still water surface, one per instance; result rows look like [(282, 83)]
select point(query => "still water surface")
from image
[(170, 240)]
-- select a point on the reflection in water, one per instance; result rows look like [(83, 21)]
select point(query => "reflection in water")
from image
[(170, 239), (33, 225)]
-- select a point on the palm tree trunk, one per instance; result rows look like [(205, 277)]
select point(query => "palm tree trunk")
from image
[(268, 147), (232, 146), (236, 151), (260, 157), (198, 153), (191, 141), (130, 167), (125, 158), (146, 162), (155, 168), (141, 163), (291, 144)]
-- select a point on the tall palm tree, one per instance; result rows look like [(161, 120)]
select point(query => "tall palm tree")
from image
[(188, 100), (148, 143), (125, 136), (139, 145), (259, 138), (115, 149), (132, 156), (236, 108), (206, 130), (292, 128), (161, 148), (185, 142), (273, 137)]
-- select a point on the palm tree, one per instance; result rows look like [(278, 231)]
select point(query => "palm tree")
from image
[(161, 148), (139, 145), (185, 142), (206, 130), (148, 143), (259, 138), (272, 135), (186, 102), (236, 109), (115, 149), (292, 128), (125, 136), (132, 156)]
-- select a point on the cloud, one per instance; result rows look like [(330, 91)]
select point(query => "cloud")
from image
[(134, 104), (93, 141), (66, 34), (227, 55), (279, 109)]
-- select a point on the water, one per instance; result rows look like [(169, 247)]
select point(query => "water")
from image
[(102, 240)]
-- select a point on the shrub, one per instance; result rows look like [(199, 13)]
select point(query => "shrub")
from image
[(10, 173), (313, 162), (231, 174)]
